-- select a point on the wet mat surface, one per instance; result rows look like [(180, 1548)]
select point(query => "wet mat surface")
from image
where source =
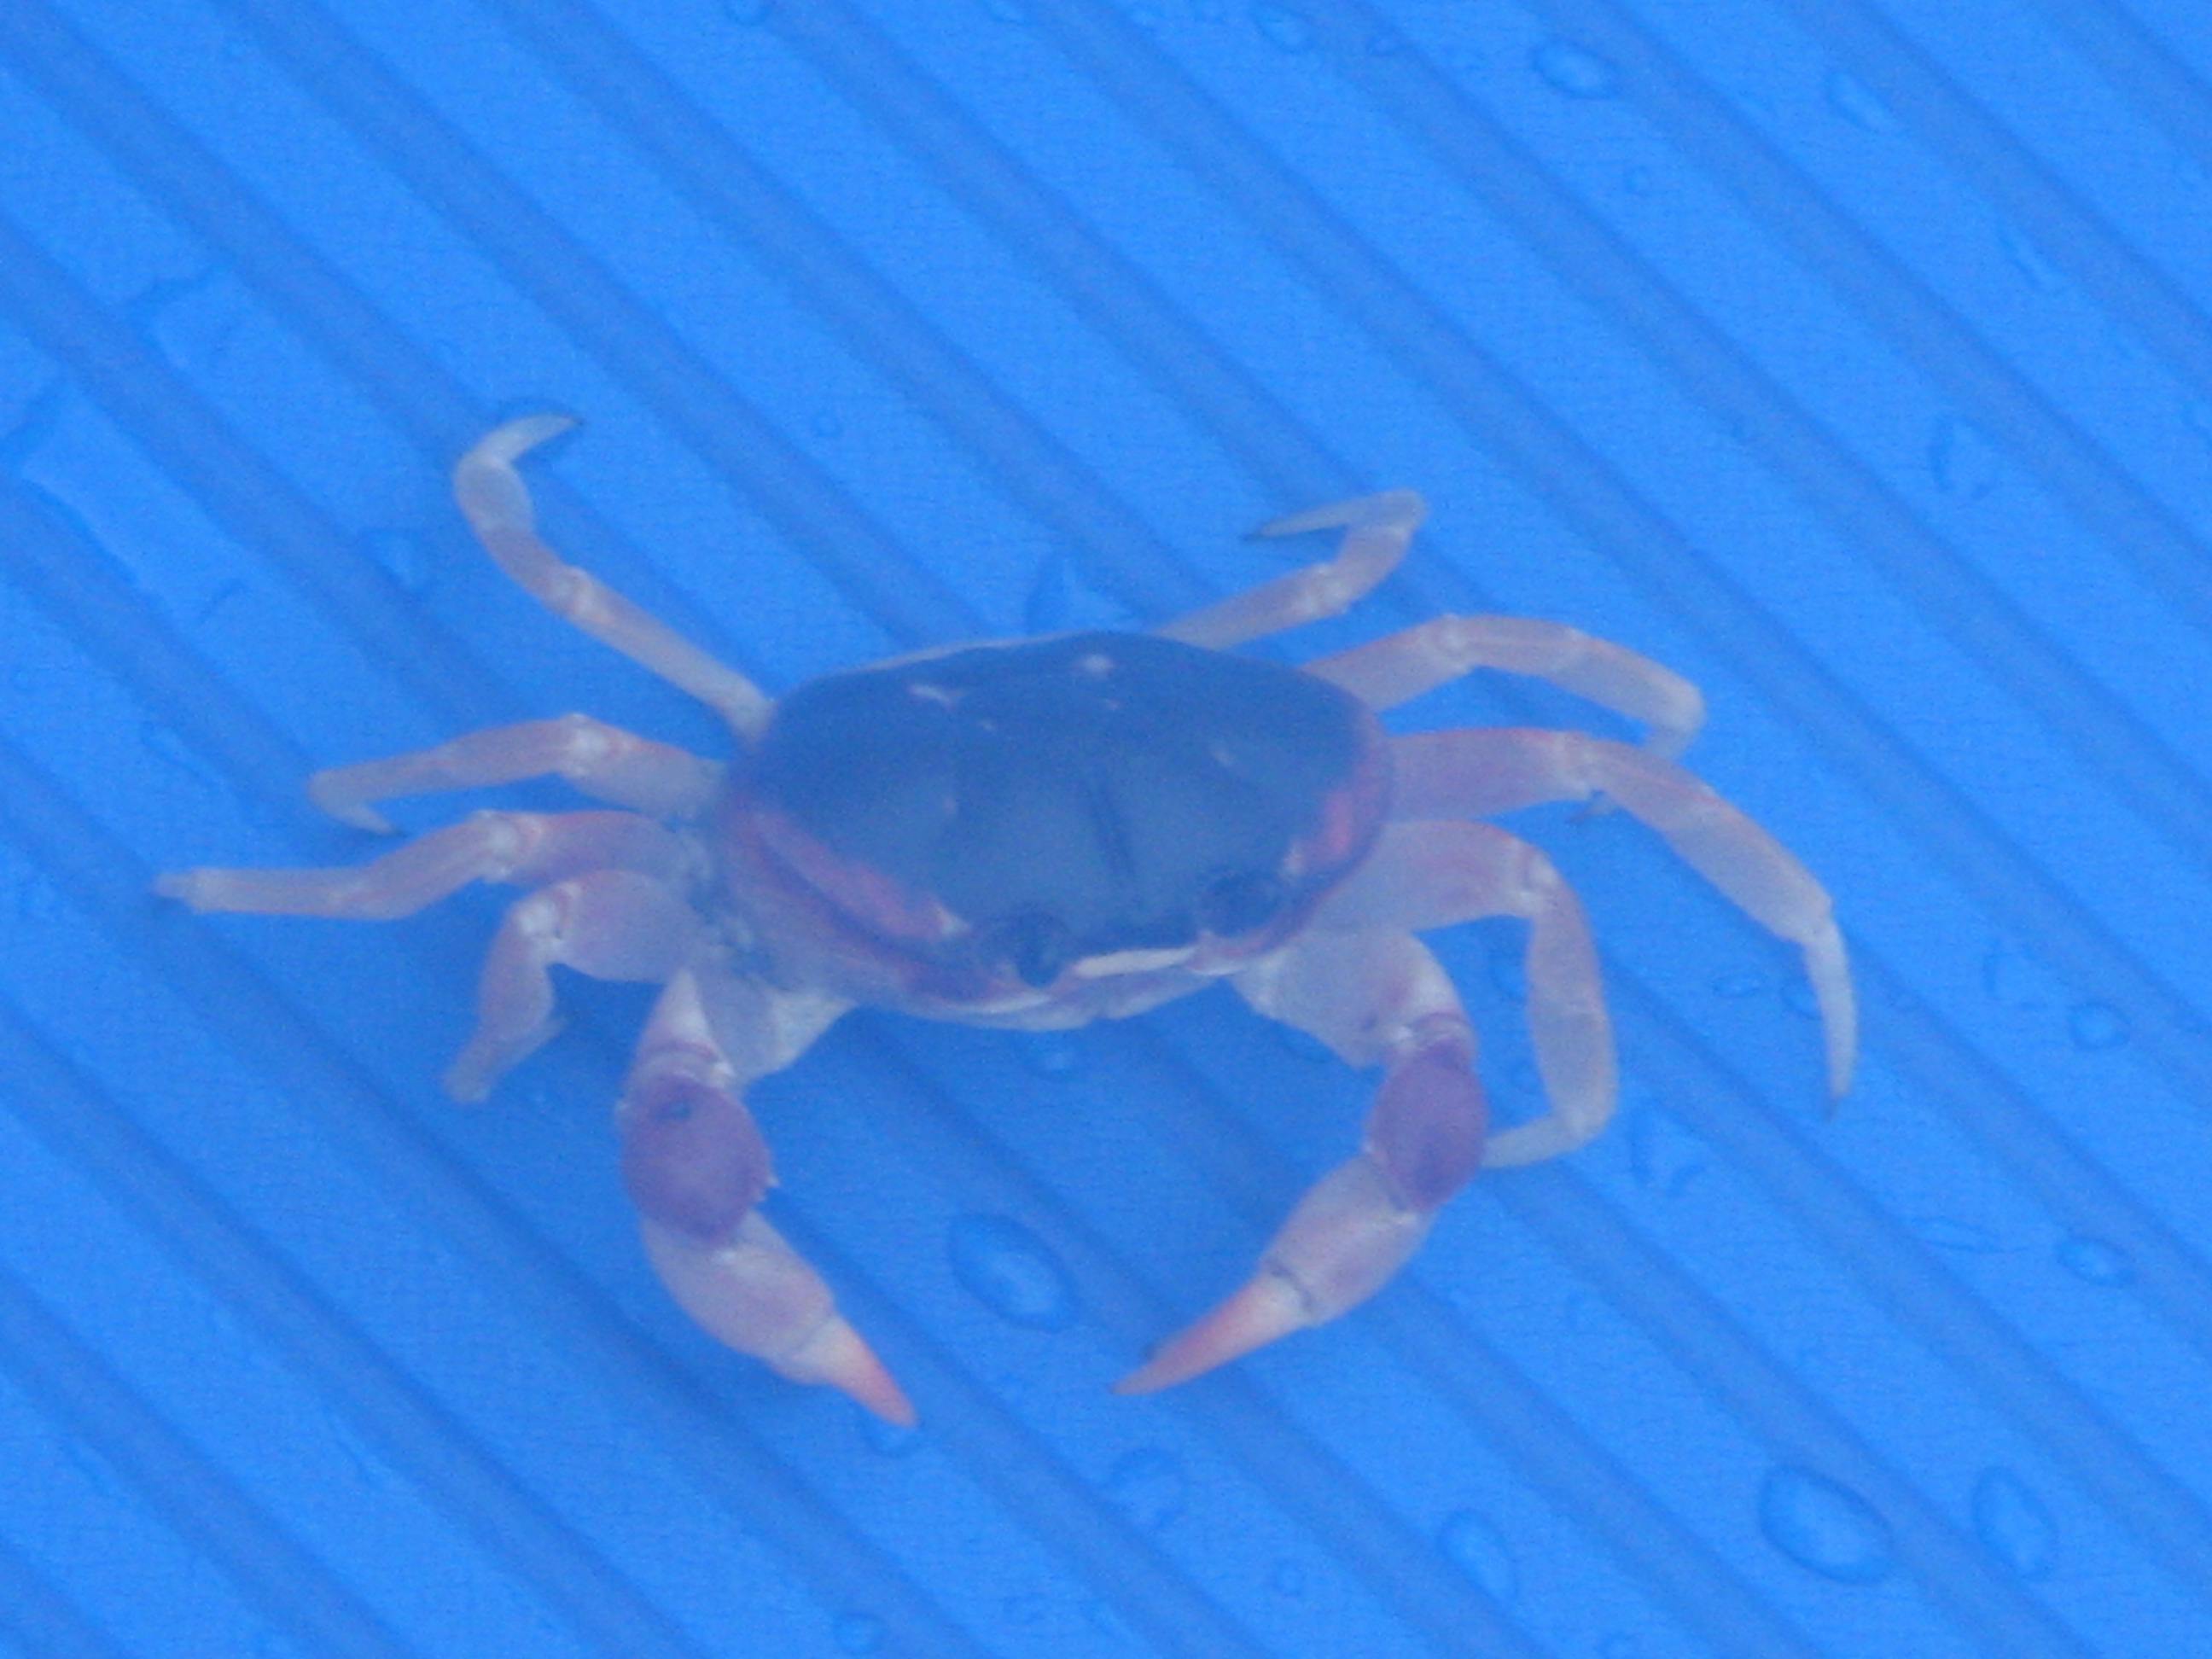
[(1854, 360)]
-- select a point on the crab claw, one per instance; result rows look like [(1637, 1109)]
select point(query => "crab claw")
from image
[(695, 1166), (758, 1295), (1347, 1238)]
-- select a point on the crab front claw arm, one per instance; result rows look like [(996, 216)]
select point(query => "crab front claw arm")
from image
[(1369, 996), (752, 1290), (696, 1166)]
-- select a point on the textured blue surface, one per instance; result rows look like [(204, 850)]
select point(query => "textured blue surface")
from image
[(1853, 359)]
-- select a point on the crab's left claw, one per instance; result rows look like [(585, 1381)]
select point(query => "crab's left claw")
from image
[(1359, 1223), (1348, 1235)]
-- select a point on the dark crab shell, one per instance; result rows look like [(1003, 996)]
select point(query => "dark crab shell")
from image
[(1004, 816)]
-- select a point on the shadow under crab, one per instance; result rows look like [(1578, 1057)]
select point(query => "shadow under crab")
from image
[(1033, 835)]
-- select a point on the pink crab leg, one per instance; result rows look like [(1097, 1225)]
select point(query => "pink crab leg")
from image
[(603, 761), (695, 1166), (1373, 996), (526, 848), (496, 503), (1400, 666), (1377, 531), (610, 924), (1433, 873), (1476, 773)]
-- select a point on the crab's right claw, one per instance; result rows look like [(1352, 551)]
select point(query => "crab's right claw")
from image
[(755, 1293), (697, 1167)]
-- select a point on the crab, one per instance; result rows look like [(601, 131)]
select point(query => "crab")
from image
[(1035, 834)]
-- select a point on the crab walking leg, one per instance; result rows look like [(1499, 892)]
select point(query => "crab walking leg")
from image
[(496, 503), (1376, 531), (695, 1166), (606, 762), (1400, 666), (1436, 872), (527, 848), (1476, 773), (610, 924), (1376, 995)]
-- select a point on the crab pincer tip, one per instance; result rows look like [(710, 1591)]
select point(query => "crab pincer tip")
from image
[(1270, 1305), (839, 1357)]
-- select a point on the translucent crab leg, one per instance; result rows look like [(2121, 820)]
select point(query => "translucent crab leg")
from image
[(496, 503), (1434, 874), (1479, 772), (610, 924), (1376, 995), (696, 1166), (603, 761), (1400, 666), (526, 848), (1376, 531)]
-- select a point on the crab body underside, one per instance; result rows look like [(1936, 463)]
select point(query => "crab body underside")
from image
[(1034, 834)]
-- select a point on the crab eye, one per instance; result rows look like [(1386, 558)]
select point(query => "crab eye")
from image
[(1035, 945), (1238, 904)]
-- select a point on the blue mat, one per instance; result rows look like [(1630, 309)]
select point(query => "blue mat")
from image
[(1853, 359)]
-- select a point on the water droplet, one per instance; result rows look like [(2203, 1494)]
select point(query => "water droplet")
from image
[(2096, 1025), (1639, 181), (1288, 1579), (1736, 987), (1147, 1485), (1575, 70), (1054, 1054), (1962, 464), (1663, 1155), (1946, 1234), (1011, 1271), (858, 1632), (1797, 997), (826, 425), (2097, 1261), (192, 320), (1385, 42), (1281, 27), (2030, 260), (402, 557), (2199, 415), (2013, 1523), (1851, 100), (1471, 1544), (1825, 1527), (1026, 1612), (1509, 972), (748, 12)]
